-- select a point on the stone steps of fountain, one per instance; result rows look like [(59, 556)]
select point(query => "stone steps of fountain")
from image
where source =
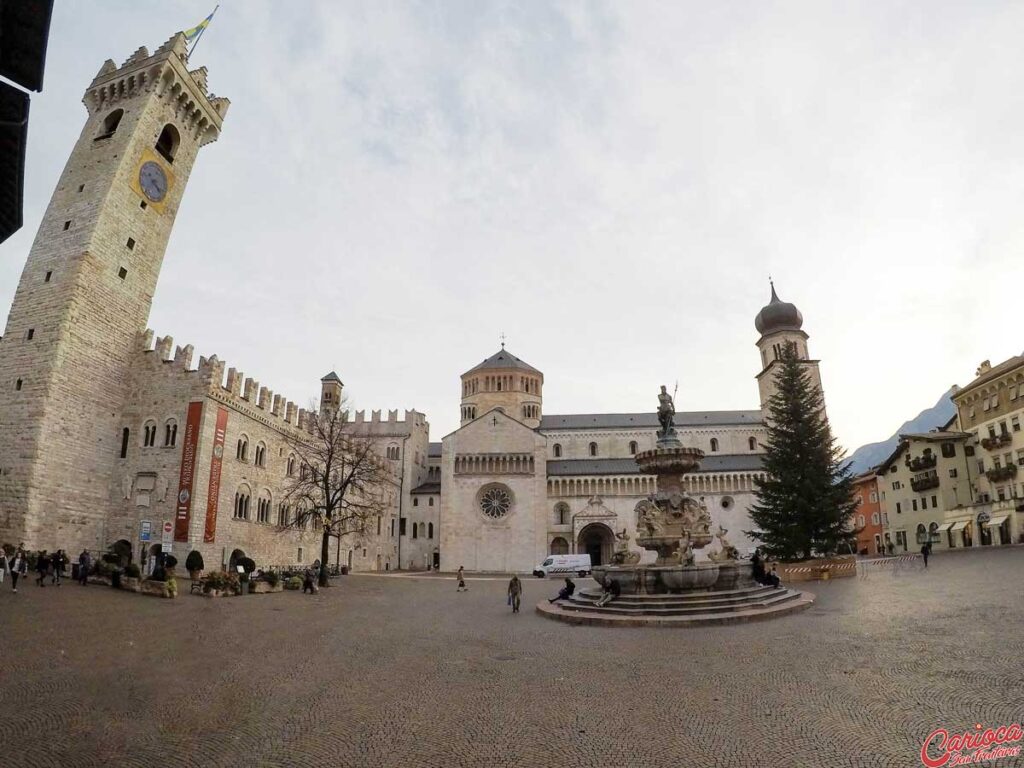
[(682, 606), (691, 598), (785, 602)]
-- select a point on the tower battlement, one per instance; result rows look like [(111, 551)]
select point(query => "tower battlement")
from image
[(165, 73)]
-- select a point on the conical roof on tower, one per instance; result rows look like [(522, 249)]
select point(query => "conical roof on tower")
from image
[(503, 359)]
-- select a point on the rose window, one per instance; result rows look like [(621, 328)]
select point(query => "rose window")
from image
[(495, 503)]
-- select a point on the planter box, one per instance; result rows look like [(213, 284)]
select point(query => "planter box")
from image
[(130, 584), (263, 588), (102, 580)]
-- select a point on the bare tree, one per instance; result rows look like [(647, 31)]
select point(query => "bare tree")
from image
[(340, 483)]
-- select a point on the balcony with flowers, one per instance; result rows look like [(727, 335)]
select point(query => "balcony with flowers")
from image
[(926, 483), (997, 442), (1001, 474)]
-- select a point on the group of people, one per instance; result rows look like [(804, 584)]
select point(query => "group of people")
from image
[(47, 566)]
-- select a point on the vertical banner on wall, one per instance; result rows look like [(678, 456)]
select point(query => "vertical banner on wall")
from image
[(215, 461), (188, 471)]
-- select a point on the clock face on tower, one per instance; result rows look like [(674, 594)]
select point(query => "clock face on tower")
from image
[(153, 181)]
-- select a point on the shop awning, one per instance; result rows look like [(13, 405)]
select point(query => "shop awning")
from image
[(995, 522), (944, 527), (959, 526)]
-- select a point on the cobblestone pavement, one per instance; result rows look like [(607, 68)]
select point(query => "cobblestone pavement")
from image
[(385, 671)]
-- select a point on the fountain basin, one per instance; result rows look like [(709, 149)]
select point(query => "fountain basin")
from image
[(684, 578), (734, 574)]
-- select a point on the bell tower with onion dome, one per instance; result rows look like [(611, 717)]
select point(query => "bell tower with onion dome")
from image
[(780, 324)]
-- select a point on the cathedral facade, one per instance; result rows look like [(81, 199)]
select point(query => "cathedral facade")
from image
[(518, 484), (110, 435)]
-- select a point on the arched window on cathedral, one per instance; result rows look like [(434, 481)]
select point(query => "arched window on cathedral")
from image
[(556, 450), (430, 530), (283, 515), (167, 144), (593, 449), (414, 531), (170, 433), (242, 449), (149, 434), (632, 447), (125, 437), (110, 123), (714, 444), (561, 513), (752, 442), (290, 467)]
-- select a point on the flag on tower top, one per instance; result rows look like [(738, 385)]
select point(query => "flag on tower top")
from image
[(197, 30)]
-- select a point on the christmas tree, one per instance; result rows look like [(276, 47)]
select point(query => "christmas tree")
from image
[(805, 499)]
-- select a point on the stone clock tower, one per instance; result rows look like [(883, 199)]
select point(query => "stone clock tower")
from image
[(86, 291)]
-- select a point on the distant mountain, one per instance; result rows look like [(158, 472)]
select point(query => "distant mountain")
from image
[(867, 456)]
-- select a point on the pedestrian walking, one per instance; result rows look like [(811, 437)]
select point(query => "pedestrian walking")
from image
[(515, 593), (42, 566), (84, 566), (462, 581), (59, 564), (4, 565), (19, 567), (565, 592), (926, 549), (307, 582)]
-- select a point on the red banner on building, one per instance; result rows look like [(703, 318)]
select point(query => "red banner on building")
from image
[(188, 471), (215, 461)]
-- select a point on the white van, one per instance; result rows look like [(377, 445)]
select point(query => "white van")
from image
[(563, 565)]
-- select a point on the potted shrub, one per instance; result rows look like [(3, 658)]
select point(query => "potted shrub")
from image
[(267, 582), (293, 582), (194, 564)]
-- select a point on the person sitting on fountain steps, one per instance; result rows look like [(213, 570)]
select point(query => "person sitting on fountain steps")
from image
[(760, 576), (611, 591), (565, 592)]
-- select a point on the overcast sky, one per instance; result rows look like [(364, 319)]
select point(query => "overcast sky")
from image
[(608, 184)]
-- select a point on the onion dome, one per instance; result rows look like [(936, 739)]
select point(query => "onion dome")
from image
[(778, 315)]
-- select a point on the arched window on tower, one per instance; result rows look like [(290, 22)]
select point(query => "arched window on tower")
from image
[(556, 450), (149, 434), (752, 443), (632, 447), (290, 470), (714, 444), (261, 455), (125, 437), (242, 449), (167, 144), (593, 449), (430, 530), (110, 123)]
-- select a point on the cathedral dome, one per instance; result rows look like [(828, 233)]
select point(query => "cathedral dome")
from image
[(778, 315), (502, 359)]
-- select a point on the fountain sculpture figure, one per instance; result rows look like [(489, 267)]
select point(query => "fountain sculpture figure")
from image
[(671, 523)]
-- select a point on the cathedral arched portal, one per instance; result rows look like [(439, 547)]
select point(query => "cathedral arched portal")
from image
[(596, 540)]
